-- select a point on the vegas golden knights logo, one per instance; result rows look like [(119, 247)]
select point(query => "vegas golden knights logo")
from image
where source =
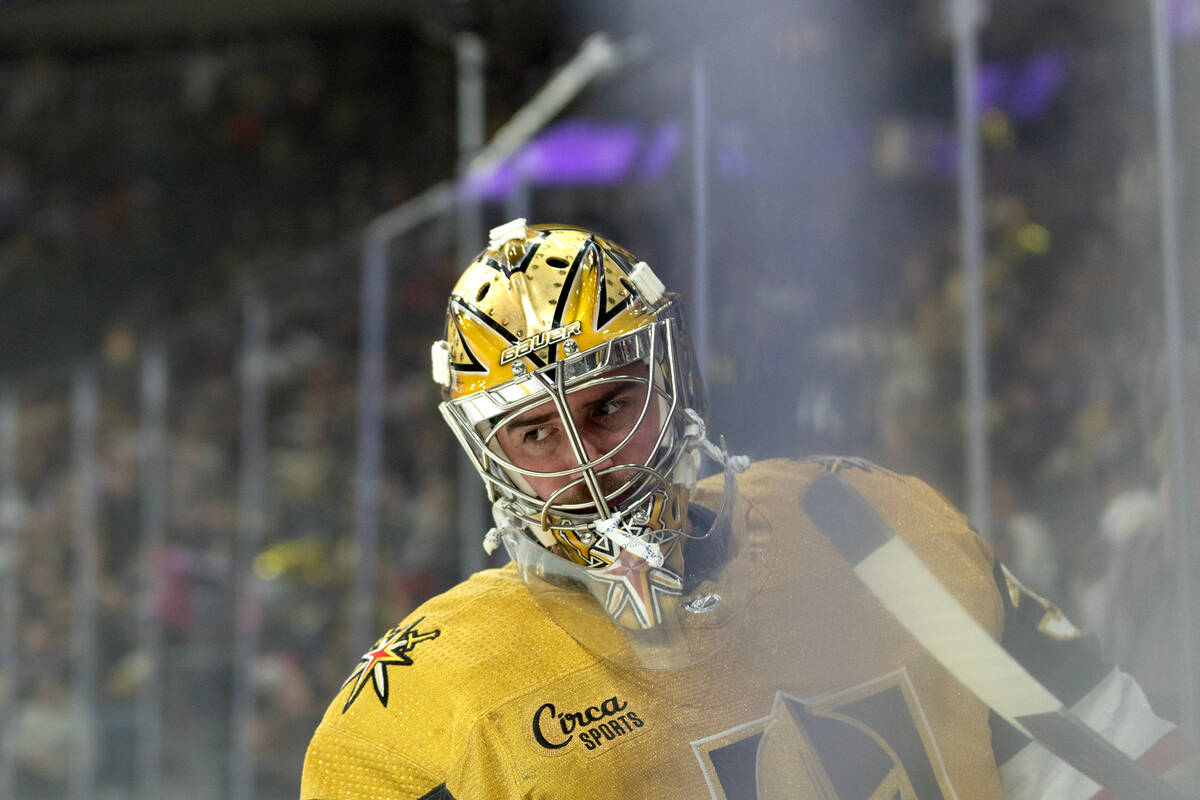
[(867, 743)]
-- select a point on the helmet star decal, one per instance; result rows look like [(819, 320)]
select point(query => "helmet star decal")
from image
[(392, 649), (631, 586)]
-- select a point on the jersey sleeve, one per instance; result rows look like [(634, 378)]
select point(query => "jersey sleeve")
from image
[(341, 765), (414, 719), (1070, 664)]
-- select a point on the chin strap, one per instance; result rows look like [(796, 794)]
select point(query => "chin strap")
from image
[(649, 552), (697, 431), (506, 522), (491, 541)]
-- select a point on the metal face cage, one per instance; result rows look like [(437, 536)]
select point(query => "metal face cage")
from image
[(478, 417)]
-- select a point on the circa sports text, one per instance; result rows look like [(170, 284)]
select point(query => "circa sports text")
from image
[(572, 722)]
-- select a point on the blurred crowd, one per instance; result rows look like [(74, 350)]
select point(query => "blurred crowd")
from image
[(835, 312), (191, 176), (152, 182), (296, 606)]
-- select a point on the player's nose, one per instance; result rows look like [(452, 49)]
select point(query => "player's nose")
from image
[(600, 449)]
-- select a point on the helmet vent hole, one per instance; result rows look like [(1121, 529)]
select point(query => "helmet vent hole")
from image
[(558, 262), (482, 293)]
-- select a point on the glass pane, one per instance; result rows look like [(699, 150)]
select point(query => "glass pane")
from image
[(419, 505), (197, 559), (121, 668), (46, 715), (306, 561)]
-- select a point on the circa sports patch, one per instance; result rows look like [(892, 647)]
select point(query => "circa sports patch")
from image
[(558, 728), (392, 650)]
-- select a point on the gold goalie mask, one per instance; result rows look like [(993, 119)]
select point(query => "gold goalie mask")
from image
[(569, 379)]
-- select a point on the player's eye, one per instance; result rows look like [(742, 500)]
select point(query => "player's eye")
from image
[(611, 407), (535, 435), (616, 413)]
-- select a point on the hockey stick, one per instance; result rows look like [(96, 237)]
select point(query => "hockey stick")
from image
[(915, 597)]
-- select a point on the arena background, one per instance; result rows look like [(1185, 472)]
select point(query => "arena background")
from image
[(227, 231)]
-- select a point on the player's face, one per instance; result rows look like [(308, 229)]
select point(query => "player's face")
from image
[(604, 414)]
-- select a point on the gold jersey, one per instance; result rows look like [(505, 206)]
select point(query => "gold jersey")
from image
[(819, 693)]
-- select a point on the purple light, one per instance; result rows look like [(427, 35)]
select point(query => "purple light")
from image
[(579, 152), (1037, 84), (660, 150), (492, 185), (991, 85), (572, 153), (1183, 18), (1024, 90)]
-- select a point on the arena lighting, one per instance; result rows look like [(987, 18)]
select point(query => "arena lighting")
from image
[(660, 150), (578, 151), (1183, 18), (1023, 90), (581, 152)]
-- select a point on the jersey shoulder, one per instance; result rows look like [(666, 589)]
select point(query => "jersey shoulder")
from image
[(907, 503), (409, 704), (932, 526)]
